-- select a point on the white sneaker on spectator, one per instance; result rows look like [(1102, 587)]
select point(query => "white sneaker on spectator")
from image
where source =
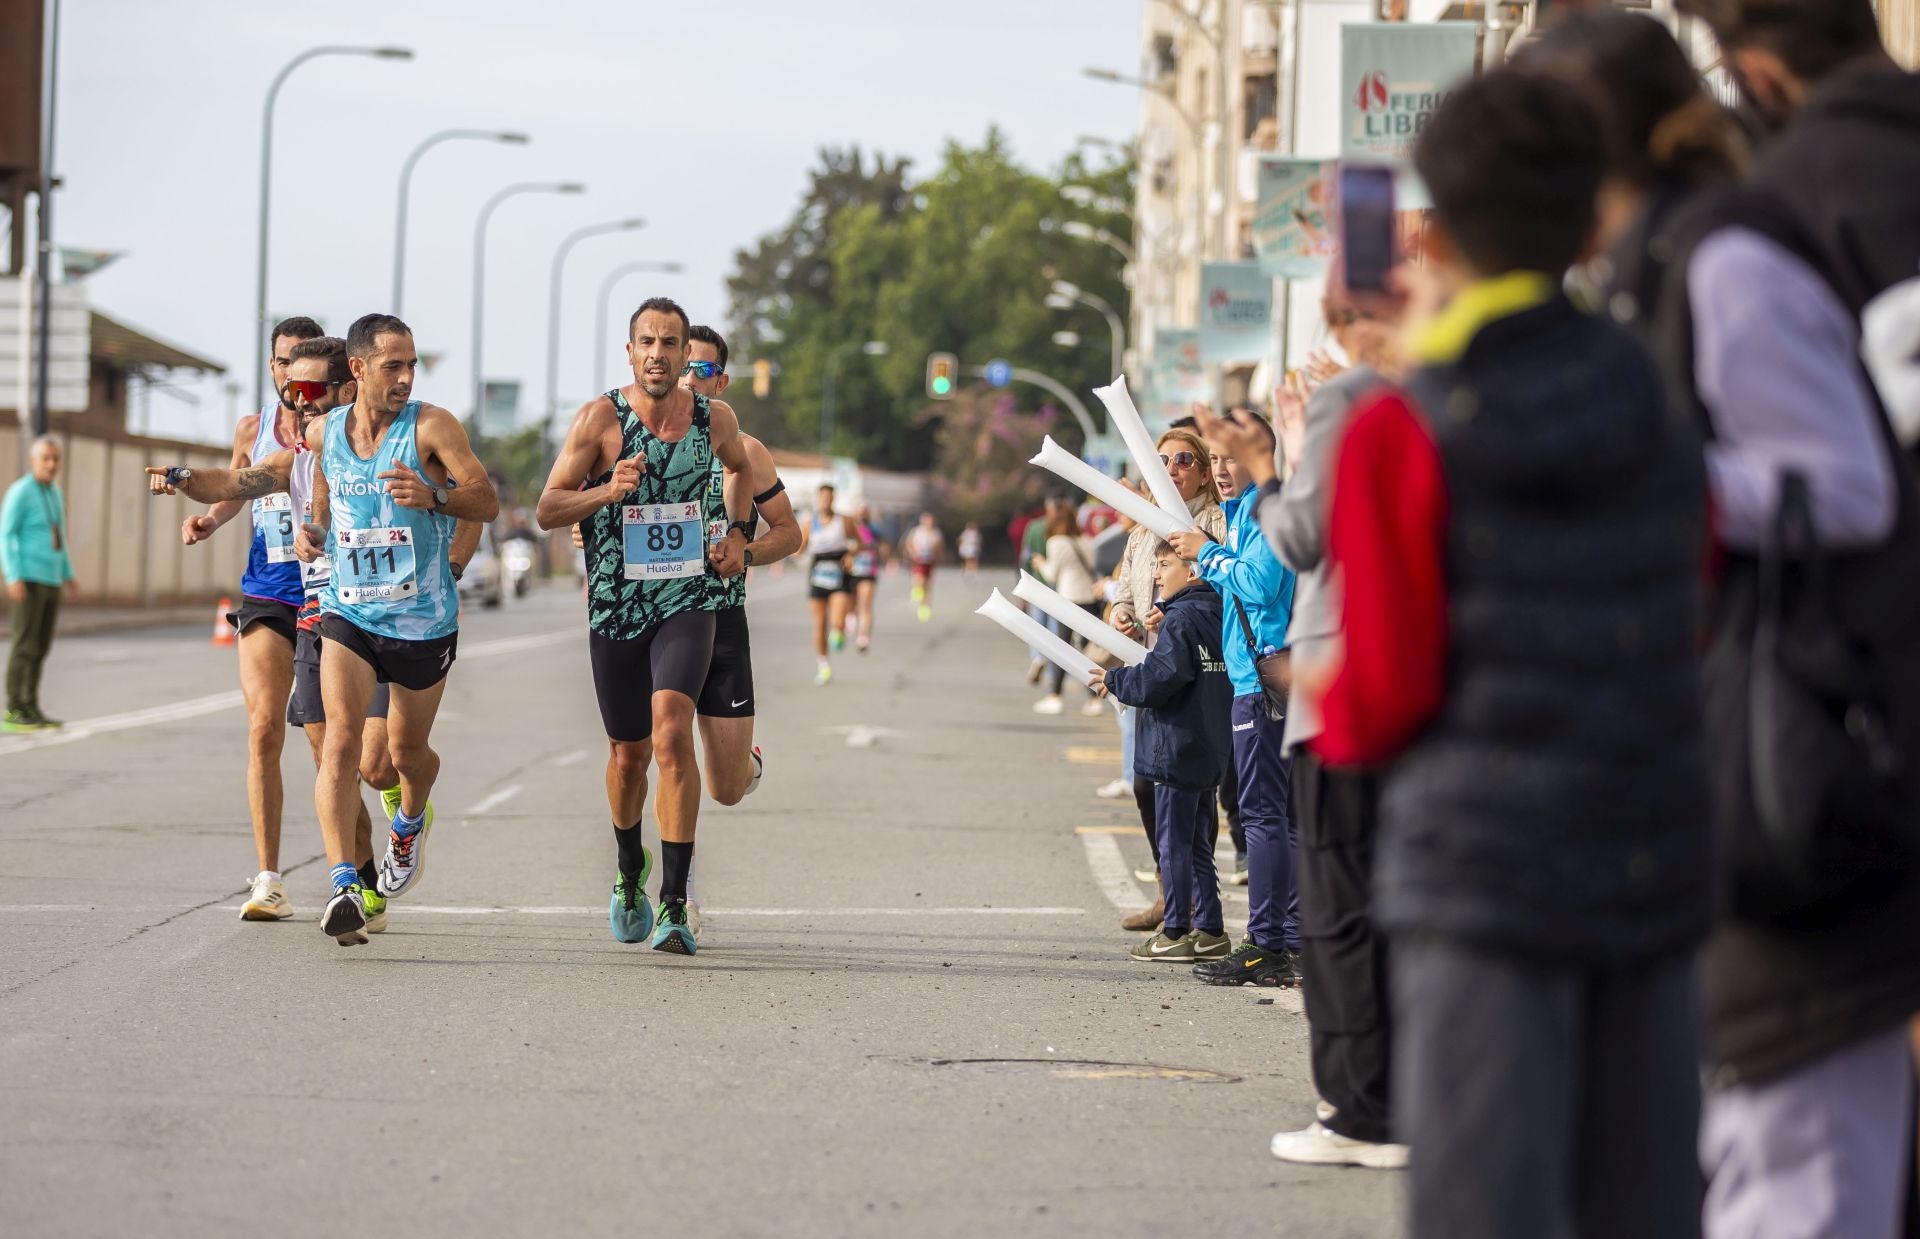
[(1115, 790), (1150, 876), (1324, 1109), (1094, 707), (1049, 705), (1316, 1145)]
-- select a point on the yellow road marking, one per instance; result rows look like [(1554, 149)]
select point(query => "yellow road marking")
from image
[(1109, 830), (1082, 756)]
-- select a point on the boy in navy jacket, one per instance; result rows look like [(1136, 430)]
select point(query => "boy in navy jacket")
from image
[(1185, 702)]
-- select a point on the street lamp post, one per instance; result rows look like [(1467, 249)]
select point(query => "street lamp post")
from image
[(1073, 292), (1196, 210), (553, 304), (606, 291), (872, 348), (480, 277), (406, 181), (1081, 230), (266, 182)]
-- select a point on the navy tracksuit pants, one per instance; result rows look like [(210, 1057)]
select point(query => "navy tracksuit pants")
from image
[(1266, 796)]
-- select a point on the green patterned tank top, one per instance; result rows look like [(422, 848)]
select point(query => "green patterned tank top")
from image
[(676, 473), (730, 592)]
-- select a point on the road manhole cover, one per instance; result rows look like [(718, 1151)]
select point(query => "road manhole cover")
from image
[(1087, 1069)]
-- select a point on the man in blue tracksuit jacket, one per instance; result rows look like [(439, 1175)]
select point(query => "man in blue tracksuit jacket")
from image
[(1257, 602), (1182, 744)]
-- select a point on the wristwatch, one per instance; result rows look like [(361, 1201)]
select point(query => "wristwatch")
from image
[(747, 556), (459, 570), (440, 497), (177, 474)]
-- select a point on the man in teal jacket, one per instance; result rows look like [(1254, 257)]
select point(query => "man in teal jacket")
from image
[(34, 559)]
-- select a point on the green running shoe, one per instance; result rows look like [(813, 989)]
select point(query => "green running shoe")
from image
[(629, 914), (673, 934), (390, 799), (376, 905)]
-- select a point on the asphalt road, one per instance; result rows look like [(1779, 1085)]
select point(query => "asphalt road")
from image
[(911, 1014)]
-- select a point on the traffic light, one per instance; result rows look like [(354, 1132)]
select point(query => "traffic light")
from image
[(762, 378), (943, 372)]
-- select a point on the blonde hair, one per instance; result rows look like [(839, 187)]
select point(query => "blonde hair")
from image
[(1204, 459)]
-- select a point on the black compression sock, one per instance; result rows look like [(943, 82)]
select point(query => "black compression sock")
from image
[(369, 875), (675, 860), (633, 856)]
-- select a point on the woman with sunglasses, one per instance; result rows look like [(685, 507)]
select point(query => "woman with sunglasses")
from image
[(1190, 465)]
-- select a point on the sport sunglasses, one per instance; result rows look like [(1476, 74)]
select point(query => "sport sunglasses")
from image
[(1187, 459), (702, 369), (313, 391)]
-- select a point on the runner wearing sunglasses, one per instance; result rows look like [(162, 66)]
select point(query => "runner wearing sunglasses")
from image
[(635, 470), (318, 379), (267, 617), (725, 708)]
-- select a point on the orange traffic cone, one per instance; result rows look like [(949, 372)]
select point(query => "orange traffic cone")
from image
[(223, 631)]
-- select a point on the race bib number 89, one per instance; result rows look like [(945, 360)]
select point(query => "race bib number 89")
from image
[(373, 565), (661, 541), (273, 517)]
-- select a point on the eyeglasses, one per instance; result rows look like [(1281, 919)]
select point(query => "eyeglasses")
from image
[(313, 391), (702, 369), (1186, 459)]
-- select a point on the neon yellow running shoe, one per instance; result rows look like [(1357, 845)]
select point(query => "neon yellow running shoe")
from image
[(376, 906), (390, 800)]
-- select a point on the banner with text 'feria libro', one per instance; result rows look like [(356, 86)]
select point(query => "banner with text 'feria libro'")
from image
[(1393, 77), (1291, 232), (1236, 312)]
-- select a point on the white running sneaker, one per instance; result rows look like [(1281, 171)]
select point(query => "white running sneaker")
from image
[(1115, 790), (759, 768), (267, 901), (824, 674), (406, 860), (1150, 876), (1093, 707), (1049, 705), (1316, 1145)]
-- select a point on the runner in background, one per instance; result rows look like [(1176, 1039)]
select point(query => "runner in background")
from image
[(862, 570), (924, 544), (829, 548), (970, 550)]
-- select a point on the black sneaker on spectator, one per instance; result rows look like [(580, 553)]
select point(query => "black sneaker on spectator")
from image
[(1251, 965)]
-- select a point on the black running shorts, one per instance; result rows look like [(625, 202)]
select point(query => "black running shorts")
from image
[(729, 690), (279, 616), (305, 707), (672, 656), (414, 665), (827, 576)]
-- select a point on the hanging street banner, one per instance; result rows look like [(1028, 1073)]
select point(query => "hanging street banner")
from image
[(1178, 377), (1236, 312), (1291, 232), (1393, 77)]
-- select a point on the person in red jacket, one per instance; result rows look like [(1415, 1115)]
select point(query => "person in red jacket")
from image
[(1519, 532)]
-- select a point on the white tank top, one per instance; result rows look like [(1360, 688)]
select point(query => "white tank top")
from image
[(830, 538)]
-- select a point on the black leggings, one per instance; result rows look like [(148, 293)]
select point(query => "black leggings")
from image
[(1058, 673)]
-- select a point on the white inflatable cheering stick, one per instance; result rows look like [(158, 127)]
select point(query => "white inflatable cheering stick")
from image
[(1126, 420), (1081, 620), (1077, 665), (1078, 473)]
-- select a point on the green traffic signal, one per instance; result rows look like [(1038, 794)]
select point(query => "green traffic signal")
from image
[(942, 371)]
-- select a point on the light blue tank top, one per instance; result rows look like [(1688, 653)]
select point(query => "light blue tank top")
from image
[(391, 575)]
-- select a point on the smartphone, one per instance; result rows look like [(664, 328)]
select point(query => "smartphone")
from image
[(1366, 226)]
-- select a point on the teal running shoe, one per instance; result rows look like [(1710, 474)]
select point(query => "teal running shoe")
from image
[(673, 933), (629, 914)]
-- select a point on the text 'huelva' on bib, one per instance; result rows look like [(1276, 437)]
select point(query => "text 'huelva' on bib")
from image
[(662, 541)]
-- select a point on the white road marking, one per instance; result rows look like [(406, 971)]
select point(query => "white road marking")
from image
[(1112, 874), (213, 703), (556, 910), (495, 800), (574, 758)]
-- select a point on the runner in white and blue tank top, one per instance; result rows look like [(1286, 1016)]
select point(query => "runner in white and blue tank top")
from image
[(273, 571)]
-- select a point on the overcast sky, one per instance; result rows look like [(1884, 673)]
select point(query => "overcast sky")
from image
[(701, 117)]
